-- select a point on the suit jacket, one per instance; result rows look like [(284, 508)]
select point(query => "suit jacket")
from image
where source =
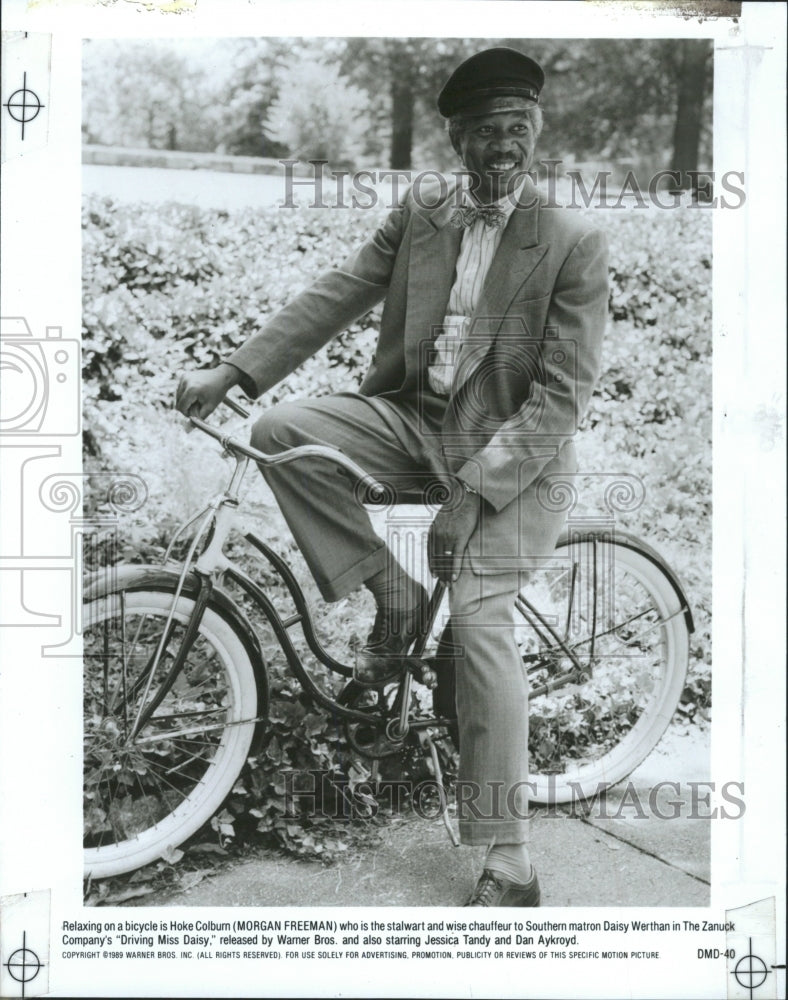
[(523, 376)]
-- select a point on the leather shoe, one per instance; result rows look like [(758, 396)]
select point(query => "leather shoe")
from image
[(392, 635), (493, 889)]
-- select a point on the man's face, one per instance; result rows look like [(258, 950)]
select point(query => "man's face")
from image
[(496, 148)]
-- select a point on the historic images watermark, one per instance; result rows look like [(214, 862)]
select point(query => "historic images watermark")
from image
[(371, 189), (324, 793)]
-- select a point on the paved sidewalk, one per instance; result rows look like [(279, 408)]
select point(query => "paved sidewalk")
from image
[(635, 807), (620, 861)]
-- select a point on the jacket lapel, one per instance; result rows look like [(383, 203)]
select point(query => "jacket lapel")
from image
[(435, 245), (517, 256)]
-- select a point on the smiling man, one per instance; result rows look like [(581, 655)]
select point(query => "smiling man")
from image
[(489, 346), (494, 128)]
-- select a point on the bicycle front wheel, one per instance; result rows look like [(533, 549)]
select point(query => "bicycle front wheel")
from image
[(147, 791), (606, 660)]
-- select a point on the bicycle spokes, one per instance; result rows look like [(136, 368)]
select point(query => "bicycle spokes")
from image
[(133, 779), (597, 656)]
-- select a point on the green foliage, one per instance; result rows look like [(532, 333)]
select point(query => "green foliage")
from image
[(627, 102), (318, 114), (651, 412), (180, 287), (145, 93), (244, 73), (604, 99)]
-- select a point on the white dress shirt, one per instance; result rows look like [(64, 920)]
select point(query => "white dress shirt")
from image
[(479, 244)]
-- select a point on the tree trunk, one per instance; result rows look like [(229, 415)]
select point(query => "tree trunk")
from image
[(693, 74), (402, 113)]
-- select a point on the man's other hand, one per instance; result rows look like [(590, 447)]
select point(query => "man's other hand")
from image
[(450, 533), (199, 393)]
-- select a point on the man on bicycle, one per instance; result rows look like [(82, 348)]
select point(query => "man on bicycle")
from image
[(489, 347)]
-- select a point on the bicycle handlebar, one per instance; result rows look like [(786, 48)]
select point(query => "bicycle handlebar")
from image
[(237, 448), (236, 407)]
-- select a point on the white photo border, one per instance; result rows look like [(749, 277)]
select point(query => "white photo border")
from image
[(40, 718)]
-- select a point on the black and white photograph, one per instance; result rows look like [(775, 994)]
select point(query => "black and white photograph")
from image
[(338, 308), (390, 432)]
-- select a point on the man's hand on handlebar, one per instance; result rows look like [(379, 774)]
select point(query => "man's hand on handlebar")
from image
[(199, 393)]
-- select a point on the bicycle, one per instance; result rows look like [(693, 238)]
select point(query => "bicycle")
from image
[(176, 685)]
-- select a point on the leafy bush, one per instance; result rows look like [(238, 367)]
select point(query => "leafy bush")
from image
[(317, 113), (180, 287)]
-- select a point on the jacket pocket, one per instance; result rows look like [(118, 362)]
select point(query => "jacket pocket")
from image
[(529, 300)]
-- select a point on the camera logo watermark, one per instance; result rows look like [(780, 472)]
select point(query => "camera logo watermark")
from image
[(45, 536), (40, 381)]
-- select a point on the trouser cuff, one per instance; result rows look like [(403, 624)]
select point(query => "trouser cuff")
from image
[(480, 833)]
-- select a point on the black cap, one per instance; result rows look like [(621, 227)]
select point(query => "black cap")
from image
[(494, 73)]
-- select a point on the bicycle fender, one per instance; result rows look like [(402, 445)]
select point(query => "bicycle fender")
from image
[(630, 541), (111, 579)]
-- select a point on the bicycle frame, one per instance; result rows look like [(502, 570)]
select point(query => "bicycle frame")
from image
[(560, 654), (212, 566)]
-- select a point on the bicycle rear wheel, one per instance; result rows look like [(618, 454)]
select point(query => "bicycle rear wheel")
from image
[(600, 704), (150, 791)]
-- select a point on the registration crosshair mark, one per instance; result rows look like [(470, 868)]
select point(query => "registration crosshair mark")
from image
[(24, 101), (23, 964), (751, 971)]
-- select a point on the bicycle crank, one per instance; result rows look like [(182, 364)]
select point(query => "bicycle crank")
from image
[(431, 751)]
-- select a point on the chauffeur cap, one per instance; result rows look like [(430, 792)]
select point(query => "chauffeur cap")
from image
[(499, 79)]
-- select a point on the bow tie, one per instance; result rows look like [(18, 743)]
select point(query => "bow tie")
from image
[(491, 215)]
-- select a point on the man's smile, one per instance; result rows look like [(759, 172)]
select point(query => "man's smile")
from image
[(494, 147), (502, 163)]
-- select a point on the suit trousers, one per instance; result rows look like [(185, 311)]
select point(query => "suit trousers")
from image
[(397, 440)]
